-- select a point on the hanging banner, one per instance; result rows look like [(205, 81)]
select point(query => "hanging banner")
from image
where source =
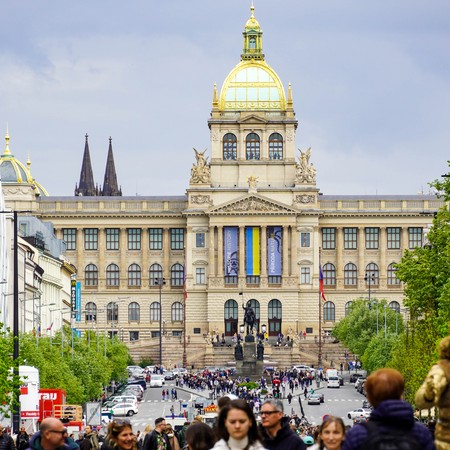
[(252, 247), (78, 301), (230, 251), (274, 246), (73, 297)]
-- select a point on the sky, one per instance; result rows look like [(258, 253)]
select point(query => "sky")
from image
[(370, 80)]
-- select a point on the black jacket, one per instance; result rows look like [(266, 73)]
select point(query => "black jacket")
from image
[(285, 439), (6, 441), (151, 441)]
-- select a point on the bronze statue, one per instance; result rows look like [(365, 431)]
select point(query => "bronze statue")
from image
[(238, 352), (249, 318), (260, 351)]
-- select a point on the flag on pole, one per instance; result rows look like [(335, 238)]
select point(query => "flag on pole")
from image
[(50, 327), (322, 293)]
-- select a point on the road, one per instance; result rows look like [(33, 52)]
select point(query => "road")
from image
[(338, 402)]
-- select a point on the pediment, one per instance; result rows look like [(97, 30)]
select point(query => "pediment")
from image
[(252, 118), (252, 205)]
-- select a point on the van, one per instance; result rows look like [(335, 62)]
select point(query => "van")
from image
[(333, 379), (156, 380)]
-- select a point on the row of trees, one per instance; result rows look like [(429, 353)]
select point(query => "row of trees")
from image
[(82, 366), (409, 342)]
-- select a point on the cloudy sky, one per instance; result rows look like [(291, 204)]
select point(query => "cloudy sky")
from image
[(371, 84)]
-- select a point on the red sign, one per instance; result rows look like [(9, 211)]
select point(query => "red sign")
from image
[(47, 399)]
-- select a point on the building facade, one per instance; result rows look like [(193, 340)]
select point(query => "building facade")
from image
[(252, 227)]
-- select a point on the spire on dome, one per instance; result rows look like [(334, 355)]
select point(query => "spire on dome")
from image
[(215, 102), (7, 150), (110, 186), (86, 185), (252, 38)]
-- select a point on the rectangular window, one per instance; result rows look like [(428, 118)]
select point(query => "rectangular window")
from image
[(155, 334), (23, 229), (328, 238), (155, 236), (91, 239), (176, 238), (415, 237), (199, 240), (350, 238), (305, 275), (200, 275), (70, 238), (305, 239), (134, 335), (393, 237), (112, 239), (372, 238), (134, 238)]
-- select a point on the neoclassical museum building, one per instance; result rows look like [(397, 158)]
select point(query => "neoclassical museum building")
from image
[(252, 226)]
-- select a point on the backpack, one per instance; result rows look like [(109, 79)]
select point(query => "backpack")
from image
[(390, 438)]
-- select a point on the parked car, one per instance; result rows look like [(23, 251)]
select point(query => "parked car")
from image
[(141, 383), (358, 382), (359, 412), (169, 375), (361, 387), (125, 398), (133, 391), (322, 397), (123, 409), (360, 420), (156, 380), (367, 405), (314, 399), (355, 376)]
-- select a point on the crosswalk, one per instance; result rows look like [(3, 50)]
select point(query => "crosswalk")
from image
[(328, 400)]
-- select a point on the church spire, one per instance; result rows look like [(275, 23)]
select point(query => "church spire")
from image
[(110, 187), (86, 186), (252, 38)]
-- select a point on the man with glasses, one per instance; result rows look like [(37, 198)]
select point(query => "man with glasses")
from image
[(6, 441), (275, 429), (51, 436), (157, 439)]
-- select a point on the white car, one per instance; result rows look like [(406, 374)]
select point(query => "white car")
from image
[(123, 409), (359, 381), (156, 380), (125, 399), (359, 412)]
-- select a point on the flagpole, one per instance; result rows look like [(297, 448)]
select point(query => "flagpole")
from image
[(319, 356)]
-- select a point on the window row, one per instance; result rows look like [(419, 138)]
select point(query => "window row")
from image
[(134, 238), (252, 146), (371, 275), (329, 309), (372, 238), (134, 275), (134, 312)]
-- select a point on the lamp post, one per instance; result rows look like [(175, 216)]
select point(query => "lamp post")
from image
[(160, 282), (263, 330)]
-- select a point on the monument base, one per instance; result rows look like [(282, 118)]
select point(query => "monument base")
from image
[(250, 367)]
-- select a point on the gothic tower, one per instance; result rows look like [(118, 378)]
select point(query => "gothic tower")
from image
[(86, 185), (110, 186)]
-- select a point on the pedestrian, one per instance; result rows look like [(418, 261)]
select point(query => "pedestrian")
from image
[(163, 394), (173, 440), (51, 436), (119, 436), (237, 428), (392, 419), (200, 436), (276, 431), (92, 436), (157, 439), (23, 439), (289, 397), (331, 434), (305, 392), (140, 439)]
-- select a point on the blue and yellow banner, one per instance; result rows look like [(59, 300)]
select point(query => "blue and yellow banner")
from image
[(252, 249), (274, 246), (230, 251)]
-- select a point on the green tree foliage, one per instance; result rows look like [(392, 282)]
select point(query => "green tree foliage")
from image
[(8, 382)]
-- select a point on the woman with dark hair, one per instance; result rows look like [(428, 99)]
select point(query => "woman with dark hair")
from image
[(331, 434), (237, 428), (120, 436), (199, 436)]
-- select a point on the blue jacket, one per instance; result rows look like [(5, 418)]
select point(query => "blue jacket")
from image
[(390, 414), (35, 443)]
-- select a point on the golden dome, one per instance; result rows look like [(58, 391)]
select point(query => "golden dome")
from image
[(252, 23)]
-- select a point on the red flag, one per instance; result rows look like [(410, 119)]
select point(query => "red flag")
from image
[(50, 327), (321, 284)]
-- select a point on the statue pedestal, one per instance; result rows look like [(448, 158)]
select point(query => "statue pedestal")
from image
[(250, 367)]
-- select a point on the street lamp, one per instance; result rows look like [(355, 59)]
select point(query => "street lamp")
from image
[(263, 330), (160, 282)]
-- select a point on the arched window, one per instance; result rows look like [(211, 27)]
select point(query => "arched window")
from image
[(255, 306), (112, 312), (252, 144), (275, 146), (134, 275), (91, 312), (348, 308), (329, 275), (134, 312), (395, 306), (392, 279), (155, 312), (350, 275), (328, 311), (252, 42), (112, 275), (155, 273), (231, 314), (372, 276), (229, 147), (177, 312), (91, 275), (176, 275), (274, 316)]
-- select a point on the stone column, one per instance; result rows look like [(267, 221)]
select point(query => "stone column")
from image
[(145, 247), (405, 239), (123, 266), (166, 254), (220, 252), (101, 257), (361, 251), (263, 251), (212, 247), (294, 249), (285, 251), (339, 254), (80, 253), (242, 252), (383, 247)]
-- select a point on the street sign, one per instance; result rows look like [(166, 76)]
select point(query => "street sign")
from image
[(93, 413)]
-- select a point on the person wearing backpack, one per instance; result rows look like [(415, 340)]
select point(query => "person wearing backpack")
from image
[(391, 424)]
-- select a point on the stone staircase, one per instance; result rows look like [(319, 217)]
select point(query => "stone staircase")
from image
[(201, 353)]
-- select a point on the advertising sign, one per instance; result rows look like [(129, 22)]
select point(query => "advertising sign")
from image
[(230, 250), (274, 241), (29, 392), (48, 398), (73, 297), (78, 301)]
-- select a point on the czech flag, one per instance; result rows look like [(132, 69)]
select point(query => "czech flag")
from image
[(321, 284)]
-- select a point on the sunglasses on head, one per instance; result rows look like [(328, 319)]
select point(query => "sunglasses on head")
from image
[(121, 422)]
